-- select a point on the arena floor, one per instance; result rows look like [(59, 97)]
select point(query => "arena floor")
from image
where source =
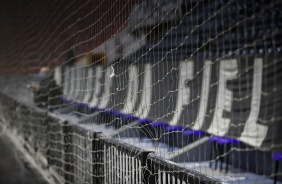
[(14, 167)]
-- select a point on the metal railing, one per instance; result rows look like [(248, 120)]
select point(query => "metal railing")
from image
[(76, 154)]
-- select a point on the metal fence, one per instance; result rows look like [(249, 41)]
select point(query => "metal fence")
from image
[(75, 154), (163, 171)]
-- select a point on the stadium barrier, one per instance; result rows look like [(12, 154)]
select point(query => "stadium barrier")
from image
[(75, 154), (168, 172), (212, 66)]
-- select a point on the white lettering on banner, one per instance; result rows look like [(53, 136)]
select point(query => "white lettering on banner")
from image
[(204, 96), (183, 96), (131, 97), (97, 87), (146, 98), (89, 86), (67, 81), (77, 83), (72, 84), (228, 70), (57, 75), (107, 89), (253, 132)]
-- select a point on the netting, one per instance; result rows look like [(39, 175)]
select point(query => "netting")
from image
[(153, 91)]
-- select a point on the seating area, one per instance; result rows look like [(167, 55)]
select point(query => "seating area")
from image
[(191, 99), (157, 136), (136, 108)]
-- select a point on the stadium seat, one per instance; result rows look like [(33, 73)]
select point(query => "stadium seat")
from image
[(123, 119), (116, 119), (158, 128), (65, 100), (193, 135), (276, 157), (80, 107), (174, 136), (155, 130), (106, 117), (220, 146), (143, 127)]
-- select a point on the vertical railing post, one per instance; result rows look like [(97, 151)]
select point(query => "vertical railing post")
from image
[(145, 170), (89, 156), (97, 159), (151, 172), (67, 153)]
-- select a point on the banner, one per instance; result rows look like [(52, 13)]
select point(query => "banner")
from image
[(234, 97)]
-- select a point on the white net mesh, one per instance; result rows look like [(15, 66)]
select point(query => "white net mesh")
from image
[(145, 91)]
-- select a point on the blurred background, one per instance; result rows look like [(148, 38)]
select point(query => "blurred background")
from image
[(140, 91)]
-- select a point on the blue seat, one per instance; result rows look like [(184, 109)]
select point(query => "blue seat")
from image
[(157, 129), (174, 136), (66, 107), (174, 128), (193, 135), (121, 119), (65, 100), (152, 130), (107, 116), (80, 108), (220, 146), (129, 117), (144, 127), (96, 118), (145, 121), (276, 157)]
